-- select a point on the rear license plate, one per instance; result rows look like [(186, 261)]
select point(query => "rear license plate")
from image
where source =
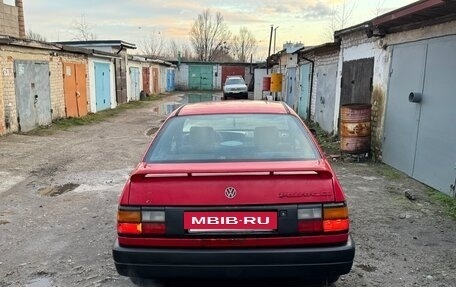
[(239, 221)]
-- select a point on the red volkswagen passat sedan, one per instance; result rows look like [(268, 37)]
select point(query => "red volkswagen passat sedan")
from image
[(233, 189)]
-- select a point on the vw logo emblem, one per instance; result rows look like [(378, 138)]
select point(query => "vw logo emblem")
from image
[(230, 192)]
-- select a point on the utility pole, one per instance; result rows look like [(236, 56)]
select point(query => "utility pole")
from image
[(275, 36), (269, 52)]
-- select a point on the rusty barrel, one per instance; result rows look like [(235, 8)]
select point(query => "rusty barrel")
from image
[(355, 128)]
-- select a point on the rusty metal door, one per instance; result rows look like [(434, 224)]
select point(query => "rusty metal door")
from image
[(156, 89), (146, 79), (357, 81), (33, 95), (75, 89)]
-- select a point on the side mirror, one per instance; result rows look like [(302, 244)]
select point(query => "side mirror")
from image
[(314, 132)]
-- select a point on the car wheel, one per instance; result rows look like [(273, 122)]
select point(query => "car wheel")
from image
[(225, 97)]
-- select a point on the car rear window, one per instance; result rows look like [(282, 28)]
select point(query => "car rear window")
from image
[(234, 82), (240, 137)]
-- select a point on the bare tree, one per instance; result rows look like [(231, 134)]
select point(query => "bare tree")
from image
[(82, 30), (35, 36), (243, 45), (378, 8), (179, 47), (340, 18), (209, 34), (153, 46)]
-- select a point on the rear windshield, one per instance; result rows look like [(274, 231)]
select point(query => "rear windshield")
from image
[(242, 137), (234, 82)]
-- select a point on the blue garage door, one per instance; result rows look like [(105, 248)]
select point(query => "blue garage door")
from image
[(102, 86)]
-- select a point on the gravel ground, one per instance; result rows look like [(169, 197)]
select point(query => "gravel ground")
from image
[(58, 202)]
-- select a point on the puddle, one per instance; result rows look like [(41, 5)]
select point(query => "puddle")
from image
[(53, 191), (169, 107), (39, 282), (199, 98)]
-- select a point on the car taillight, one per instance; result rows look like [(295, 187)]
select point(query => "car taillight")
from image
[(137, 221), (323, 218), (335, 217), (310, 219), (153, 222)]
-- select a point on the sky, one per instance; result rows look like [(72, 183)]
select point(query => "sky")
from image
[(305, 21)]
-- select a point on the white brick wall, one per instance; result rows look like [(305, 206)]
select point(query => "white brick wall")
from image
[(320, 59)]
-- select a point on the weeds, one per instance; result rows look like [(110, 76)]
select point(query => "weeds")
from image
[(328, 142), (388, 172), (448, 203)]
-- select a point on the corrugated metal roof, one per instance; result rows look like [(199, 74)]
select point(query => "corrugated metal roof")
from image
[(99, 43), (415, 15)]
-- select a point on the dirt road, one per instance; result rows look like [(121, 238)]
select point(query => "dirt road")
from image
[(58, 201)]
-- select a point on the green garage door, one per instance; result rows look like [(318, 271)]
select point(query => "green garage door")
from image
[(200, 77)]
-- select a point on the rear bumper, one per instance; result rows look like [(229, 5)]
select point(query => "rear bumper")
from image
[(318, 262)]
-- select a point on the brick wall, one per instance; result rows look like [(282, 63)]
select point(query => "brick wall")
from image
[(8, 108), (9, 21)]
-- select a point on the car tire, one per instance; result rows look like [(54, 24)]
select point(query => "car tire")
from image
[(225, 97)]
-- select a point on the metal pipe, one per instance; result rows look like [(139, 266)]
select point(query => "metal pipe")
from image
[(269, 51), (275, 34)]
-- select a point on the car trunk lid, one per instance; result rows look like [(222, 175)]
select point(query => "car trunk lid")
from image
[(231, 184)]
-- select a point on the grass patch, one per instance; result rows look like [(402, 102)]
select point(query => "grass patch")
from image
[(388, 172), (329, 143), (448, 203), (65, 124)]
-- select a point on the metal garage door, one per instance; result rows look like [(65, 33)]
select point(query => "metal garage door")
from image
[(304, 98), (102, 86), (33, 95), (200, 77), (146, 80), (75, 89), (135, 89), (420, 138), (325, 100), (291, 87)]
